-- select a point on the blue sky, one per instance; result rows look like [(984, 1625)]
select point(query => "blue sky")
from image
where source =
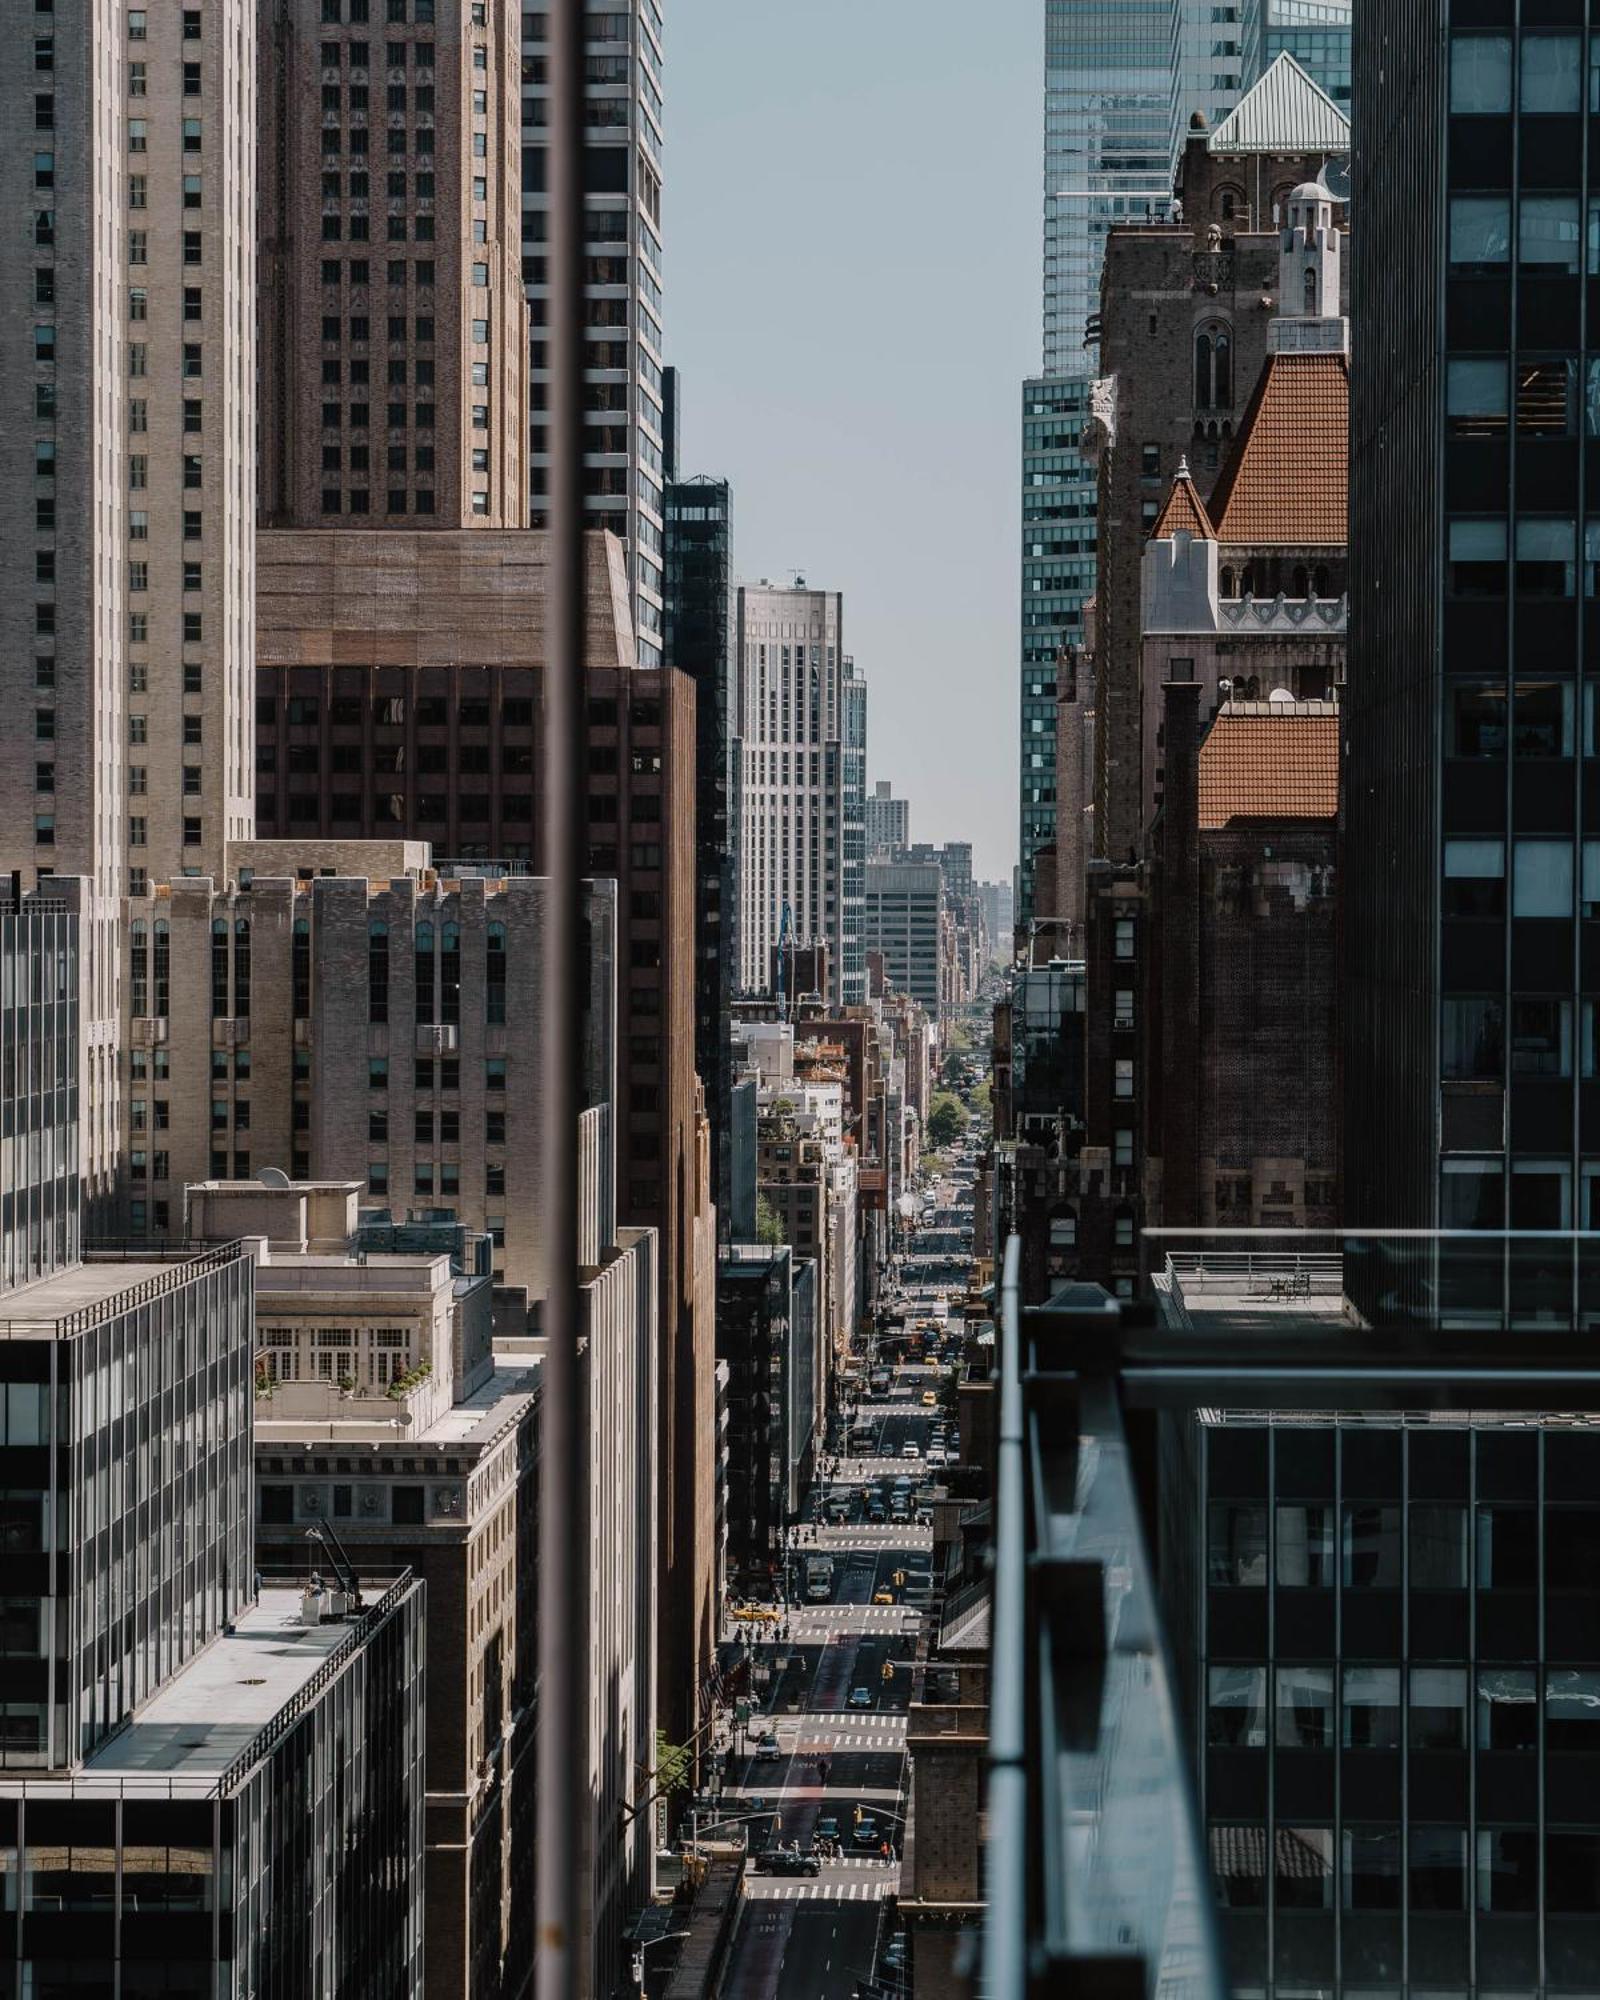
[(852, 229)]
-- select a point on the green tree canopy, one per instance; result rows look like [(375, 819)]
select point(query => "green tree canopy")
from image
[(769, 1224), (948, 1118)]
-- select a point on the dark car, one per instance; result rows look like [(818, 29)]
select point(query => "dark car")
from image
[(780, 1862)]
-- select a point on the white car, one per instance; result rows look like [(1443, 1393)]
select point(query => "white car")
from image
[(910, 1451)]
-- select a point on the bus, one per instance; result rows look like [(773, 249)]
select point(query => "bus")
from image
[(819, 1579)]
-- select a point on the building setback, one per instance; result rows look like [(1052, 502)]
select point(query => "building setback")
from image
[(904, 910)]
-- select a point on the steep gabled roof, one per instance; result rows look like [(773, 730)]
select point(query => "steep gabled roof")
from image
[(1287, 479), (1269, 760), (1284, 111), (1183, 512)]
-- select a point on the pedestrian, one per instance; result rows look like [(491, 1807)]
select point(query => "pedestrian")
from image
[(884, 1850)]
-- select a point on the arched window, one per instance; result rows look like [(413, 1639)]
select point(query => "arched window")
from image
[(1301, 579), (1227, 202), (1310, 288), (1248, 583), (494, 982), (377, 972), (1230, 581), (450, 973), (1222, 365), (139, 969), (1202, 370), (1319, 581), (219, 968), (300, 970), (423, 965)]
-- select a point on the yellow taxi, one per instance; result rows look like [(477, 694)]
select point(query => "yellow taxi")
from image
[(930, 1400), (757, 1613), (883, 1597)]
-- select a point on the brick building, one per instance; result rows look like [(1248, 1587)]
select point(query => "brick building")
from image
[(394, 383), (1186, 309)]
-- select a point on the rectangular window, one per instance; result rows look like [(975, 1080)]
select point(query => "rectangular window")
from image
[(1480, 232), (1551, 79), (1475, 564), (1549, 235), (1541, 1036), (1472, 1038), (1371, 1711), (1304, 1708), (1507, 1711), (1304, 1557), (1237, 1545), (1236, 1712), (1371, 1548), (1547, 398), (1475, 878), (1480, 74), (1372, 1868), (1546, 557), (1438, 1709), (1542, 878), (1438, 1867)]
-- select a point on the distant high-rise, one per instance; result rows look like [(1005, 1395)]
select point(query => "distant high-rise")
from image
[(699, 632), (852, 835), (888, 821), (788, 658), (1315, 32), (624, 460)]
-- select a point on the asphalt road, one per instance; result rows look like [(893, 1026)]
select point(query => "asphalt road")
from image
[(814, 1938)]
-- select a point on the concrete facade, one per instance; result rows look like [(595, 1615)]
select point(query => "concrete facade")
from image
[(790, 725), (394, 378)]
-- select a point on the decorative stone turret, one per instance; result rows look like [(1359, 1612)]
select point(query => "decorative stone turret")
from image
[(1309, 255)]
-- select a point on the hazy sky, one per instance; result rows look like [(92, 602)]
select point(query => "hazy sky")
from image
[(852, 232)]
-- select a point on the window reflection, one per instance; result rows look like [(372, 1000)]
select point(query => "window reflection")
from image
[(1480, 73), (1236, 1715), (1372, 1547), (1572, 1709), (1438, 1717), (1303, 1868), (1438, 1547), (1371, 1708), (1305, 1708), (1305, 1547), (1238, 1545), (1372, 1868)]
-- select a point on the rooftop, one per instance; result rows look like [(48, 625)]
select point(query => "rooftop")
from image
[(64, 1304), (1270, 760), (1184, 512), (1286, 482), (216, 1710), (1285, 111)]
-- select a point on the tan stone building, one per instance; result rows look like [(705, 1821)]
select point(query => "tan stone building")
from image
[(127, 430), (395, 373)]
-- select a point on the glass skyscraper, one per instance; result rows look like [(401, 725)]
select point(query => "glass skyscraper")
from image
[(1316, 33), (1121, 80)]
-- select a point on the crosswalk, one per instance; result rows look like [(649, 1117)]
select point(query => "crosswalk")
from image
[(875, 1880), (844, 1620)]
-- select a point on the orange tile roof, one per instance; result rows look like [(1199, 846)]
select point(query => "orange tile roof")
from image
[(1183, 512), (1286, 480), (1270, 760)]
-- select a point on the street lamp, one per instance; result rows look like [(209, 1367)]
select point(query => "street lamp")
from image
[(649, 1944)]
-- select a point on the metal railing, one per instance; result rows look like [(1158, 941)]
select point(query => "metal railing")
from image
[(357, 1631), (1094, 1851), (177, 1273)]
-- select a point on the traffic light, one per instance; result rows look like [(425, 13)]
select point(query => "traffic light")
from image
[(900, 1576)]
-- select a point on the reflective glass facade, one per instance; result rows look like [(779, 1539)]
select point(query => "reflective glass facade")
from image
[(298, 1874), (1473, 782), (1399, 1704), (39, 1168), (1317, 34), (124, 1492), (1058, 545)]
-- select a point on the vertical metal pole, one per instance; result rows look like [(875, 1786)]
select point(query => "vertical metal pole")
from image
[(564, 1612)]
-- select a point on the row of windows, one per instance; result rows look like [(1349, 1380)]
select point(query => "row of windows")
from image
[(1473, 1043), (1542, 74), (1484, 556), (1550, 236), (1386, 1707), (1427, 1871), (1543, 874), (1369, 1547)]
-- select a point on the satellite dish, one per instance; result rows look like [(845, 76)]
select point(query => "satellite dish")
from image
[(1281, 694), (1335, 176), (273, 1177)]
